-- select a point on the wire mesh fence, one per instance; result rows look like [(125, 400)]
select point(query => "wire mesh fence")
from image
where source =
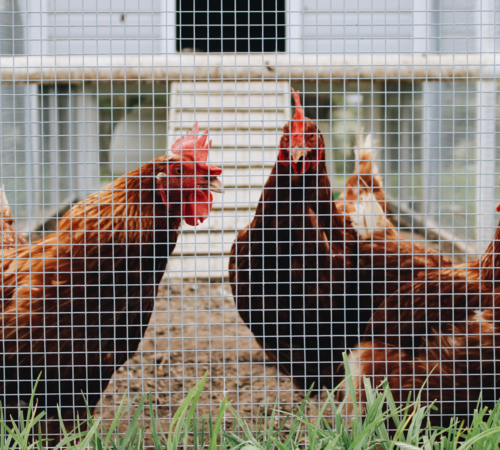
[(358, 214)]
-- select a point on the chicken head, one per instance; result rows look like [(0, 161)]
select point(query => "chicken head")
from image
[(189, 179), (301, 144)]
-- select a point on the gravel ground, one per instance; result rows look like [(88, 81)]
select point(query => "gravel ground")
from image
[(195, 330)]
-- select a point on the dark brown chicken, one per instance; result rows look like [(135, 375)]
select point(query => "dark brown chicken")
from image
[(441, 330), (77, 303), (287, 267)]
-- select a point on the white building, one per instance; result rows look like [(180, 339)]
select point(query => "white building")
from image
[(57, 156)]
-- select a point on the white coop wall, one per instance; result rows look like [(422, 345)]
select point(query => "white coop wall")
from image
[(16, 157), (363, 26), (112, 27), (244, 119), (106, 27)]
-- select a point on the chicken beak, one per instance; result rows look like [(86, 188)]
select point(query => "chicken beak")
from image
[(216, 186), (297, 154)]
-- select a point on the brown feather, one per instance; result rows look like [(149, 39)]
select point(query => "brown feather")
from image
[(380, 260), (77, 303), (9, 236), (440, 330), (287, 271)]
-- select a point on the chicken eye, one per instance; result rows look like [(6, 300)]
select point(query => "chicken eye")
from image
[(178, 170)]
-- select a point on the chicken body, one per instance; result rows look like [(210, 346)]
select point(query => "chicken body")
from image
[(308, 272), (440, 331), (287, 267), (379, 259), (77, 303)]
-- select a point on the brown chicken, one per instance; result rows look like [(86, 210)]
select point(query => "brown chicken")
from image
[(365, 175), (439, 331), (77, 303), (9, 236), (287, 267), (379, 258)]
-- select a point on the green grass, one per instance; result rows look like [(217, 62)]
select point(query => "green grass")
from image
[(292, 431)]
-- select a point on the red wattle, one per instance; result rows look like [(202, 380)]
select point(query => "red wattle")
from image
[(163, 196), (196, 207)]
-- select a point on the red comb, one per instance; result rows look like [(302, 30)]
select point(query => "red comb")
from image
[(498, 208), (194, 147), (298, 118)]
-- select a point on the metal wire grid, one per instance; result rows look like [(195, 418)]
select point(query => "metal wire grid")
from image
[(63, 139)]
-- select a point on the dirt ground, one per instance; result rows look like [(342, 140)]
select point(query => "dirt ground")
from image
[(196, 329)]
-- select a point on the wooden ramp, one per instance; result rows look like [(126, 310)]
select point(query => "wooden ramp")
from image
[(246, 120)]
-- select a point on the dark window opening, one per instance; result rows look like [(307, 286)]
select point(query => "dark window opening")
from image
[(231, 26)]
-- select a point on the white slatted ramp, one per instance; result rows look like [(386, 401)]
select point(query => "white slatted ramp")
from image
[(246, 120)]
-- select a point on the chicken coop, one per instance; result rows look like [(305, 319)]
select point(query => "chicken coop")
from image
[(356, 146)]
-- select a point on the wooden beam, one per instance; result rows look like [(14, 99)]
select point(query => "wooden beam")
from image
[(258, 67)]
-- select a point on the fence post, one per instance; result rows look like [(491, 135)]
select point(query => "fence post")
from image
[(427, 29), (486, 99), (85, 147), (14, 142)]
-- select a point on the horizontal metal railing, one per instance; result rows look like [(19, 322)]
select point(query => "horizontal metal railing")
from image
[(262, 66)]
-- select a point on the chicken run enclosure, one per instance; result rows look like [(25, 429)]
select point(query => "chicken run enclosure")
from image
[(343, 199)]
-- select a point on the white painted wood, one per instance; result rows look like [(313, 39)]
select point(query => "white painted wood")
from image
[(34, 131), (86, 141), (106, 27), (15, 141), (323, 26), (485, 137), (361, 26), (295, 31), (255, 67), (169, 33), (245, 144), (48, 182), (353, 25), (37, 20), (180, 266), (420, 26), (105, 6), (432, 121)]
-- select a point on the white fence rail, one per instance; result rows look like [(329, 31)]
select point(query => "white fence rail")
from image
[(406, 66)]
